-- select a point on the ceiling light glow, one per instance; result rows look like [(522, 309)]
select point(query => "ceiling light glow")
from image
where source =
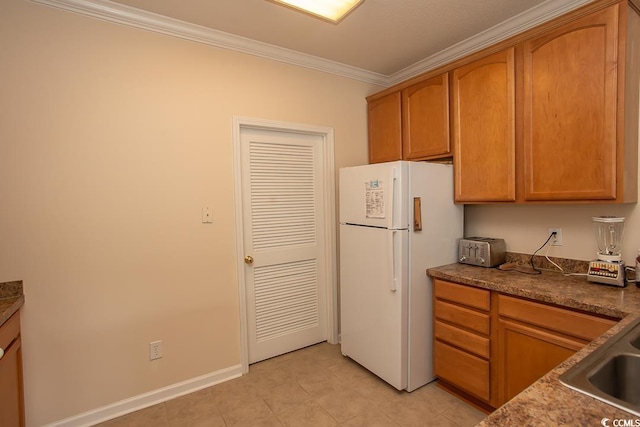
[(331, 10)]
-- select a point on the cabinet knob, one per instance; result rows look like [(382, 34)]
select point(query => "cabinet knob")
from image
[(248, 259)]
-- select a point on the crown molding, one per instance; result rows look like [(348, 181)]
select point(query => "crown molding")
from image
[(126, 15), (524, 21)]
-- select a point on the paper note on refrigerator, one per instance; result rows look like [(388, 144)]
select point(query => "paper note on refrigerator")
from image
[(374, 199)]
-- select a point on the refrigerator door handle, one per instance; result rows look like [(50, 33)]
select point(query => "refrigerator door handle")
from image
[(392, 251), (394, 180)]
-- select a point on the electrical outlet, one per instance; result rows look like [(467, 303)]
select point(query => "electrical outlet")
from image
[(155, 350), (557, 240)]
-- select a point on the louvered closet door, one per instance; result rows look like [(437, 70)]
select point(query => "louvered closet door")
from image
[(283, 236)]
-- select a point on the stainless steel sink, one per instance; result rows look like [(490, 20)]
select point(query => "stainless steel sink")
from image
[(618, 377), (612, 372)]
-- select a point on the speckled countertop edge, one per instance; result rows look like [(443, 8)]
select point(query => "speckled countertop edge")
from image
[(547, 402), (11, 299)]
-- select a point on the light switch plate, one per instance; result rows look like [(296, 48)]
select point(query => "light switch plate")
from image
[(206, 216)]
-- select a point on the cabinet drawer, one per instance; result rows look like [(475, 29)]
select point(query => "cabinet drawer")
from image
[(464, 317), (10, 330), (463, 370), (573, 323), (473, 297), (462, 339)]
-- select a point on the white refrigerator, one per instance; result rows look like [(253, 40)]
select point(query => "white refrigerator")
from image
[(396, 220)]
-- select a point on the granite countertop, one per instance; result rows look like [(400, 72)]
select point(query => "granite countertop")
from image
[(11, 299), (547, 402)]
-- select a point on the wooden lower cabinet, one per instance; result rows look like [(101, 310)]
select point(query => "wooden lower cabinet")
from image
[(11, 393), (488, 346), (526, 354), (534, 338), (462, 369), (462, 329)]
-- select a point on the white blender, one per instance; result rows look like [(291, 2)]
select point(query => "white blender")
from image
[(609, 267)]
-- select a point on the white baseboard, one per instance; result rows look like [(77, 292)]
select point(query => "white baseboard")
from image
[(151, 398)]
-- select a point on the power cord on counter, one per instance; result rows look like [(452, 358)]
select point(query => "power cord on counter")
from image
[(523, 269), (533, 267), (546, 255), (628, 273)]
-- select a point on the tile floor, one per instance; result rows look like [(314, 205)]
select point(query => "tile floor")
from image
[(315, 386)]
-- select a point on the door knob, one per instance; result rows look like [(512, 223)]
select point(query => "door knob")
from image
[(248, 259)]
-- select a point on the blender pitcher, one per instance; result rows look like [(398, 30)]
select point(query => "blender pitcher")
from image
[(609, 267), (609, 231)]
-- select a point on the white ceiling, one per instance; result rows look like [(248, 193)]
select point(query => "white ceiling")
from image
[(386, 40)]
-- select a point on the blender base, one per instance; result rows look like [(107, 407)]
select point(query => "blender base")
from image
[(607, 272)]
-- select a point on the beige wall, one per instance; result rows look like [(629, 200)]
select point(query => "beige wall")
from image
[(524, 228), (112, 139)]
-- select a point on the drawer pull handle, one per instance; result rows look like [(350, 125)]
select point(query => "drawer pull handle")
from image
[(1, 352)]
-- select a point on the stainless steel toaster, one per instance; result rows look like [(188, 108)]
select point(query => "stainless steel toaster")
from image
[(482, 251)]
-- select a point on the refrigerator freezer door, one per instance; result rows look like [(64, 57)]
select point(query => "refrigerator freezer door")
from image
[(373, 290), (375, 195)]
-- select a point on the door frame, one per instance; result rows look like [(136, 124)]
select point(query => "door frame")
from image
[(329, 190)]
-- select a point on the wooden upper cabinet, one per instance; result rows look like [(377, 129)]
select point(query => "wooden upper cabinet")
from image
[(483, 103), (570, 110), (425, 119), (550, 115), (412, 123), (385, 128)]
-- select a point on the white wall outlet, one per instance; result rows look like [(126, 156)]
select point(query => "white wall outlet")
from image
[(155, 350), (557, 240)]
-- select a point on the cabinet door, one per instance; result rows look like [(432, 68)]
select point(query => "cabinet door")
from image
[(570, 95), (385, 128), (425, 119), (11, 395), (527, 353), (484, 129)]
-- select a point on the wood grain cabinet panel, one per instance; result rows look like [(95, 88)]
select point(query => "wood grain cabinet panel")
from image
[(534, 338), (461, 338), (461, 294), (483, 103), (11, 391), (570, 110), (385, 128), (462, 347), (463, 317), (411, 123), (580, 325), (462, 369), (550, 115), (491, 351), (526, 354), (425, 119)]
